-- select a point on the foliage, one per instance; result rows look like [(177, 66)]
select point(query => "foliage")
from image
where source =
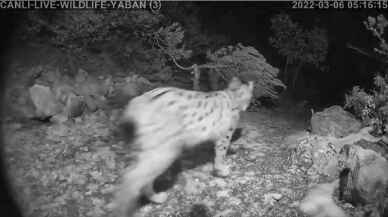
[(247, 62), (287, 37), (372, 107), (197, 38), (139, 40), (296, 43), (377, 26), (146, 43), (81, 29), (169, 40), (361, 103)]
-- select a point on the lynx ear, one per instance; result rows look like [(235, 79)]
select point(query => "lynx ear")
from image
[(234, 83)]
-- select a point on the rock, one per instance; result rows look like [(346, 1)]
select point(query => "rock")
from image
[(319, 152), (222, 193), (91, 104), (20, 105), (81, 75), (364, 178), (62, 91), (48, 75), (325, 160), (123, 94), (334, 121), (109, 85), (74, 106), (219, 182), (115, 115), (15, 126), (56, 131), (292, 140), (87, 85), (59, 118), (224, 213), (192, 187), (198, 210), (130, 89), (271, 198), (44, 101), (319, 202)]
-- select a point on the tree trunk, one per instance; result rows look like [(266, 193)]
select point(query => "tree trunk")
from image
[(285, 73), (196, 78), (296, 74), (213, 79)]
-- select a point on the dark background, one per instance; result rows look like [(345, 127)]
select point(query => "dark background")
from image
[(249, 23), (8, 22)]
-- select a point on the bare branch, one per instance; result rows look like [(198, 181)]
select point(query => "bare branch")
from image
[(366, 53), (179, 66), (359, 50), (211, 66)]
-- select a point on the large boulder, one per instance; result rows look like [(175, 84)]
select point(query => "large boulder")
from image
[(74, 106), (320, 152), (319, 201), (87, 85), (46, 105), (334, 121), (364, 178)]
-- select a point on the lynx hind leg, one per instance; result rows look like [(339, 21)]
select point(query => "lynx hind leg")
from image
[(150, 165), (154, 197)]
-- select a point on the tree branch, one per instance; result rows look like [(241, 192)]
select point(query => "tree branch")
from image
[(359, 50), (366, 53), (179, 66)]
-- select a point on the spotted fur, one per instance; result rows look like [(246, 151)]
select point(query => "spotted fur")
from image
[(167, 120)]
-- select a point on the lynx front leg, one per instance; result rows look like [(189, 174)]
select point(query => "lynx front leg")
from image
[(149, 166), (221, 147)]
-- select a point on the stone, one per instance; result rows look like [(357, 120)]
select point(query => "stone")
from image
[(91, 103), (44, 101), (192, 187), (364, 177), (61, 91), (319, 201), (130, 89), (334, 121), (271, 198), (74, 105), (59, 118), (294, 139), (81, 76)]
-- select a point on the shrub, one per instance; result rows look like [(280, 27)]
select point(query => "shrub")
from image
[(298, 45), (248, 63), (372, 107)]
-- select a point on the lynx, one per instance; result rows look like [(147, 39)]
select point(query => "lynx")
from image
[(165, 121)]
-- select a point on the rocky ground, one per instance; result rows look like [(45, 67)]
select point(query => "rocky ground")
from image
[(71, 169)]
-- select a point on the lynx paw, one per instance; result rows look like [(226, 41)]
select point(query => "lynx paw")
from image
[(160, 197)]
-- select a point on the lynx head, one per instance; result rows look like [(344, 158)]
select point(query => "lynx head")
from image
[(241, 93)]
